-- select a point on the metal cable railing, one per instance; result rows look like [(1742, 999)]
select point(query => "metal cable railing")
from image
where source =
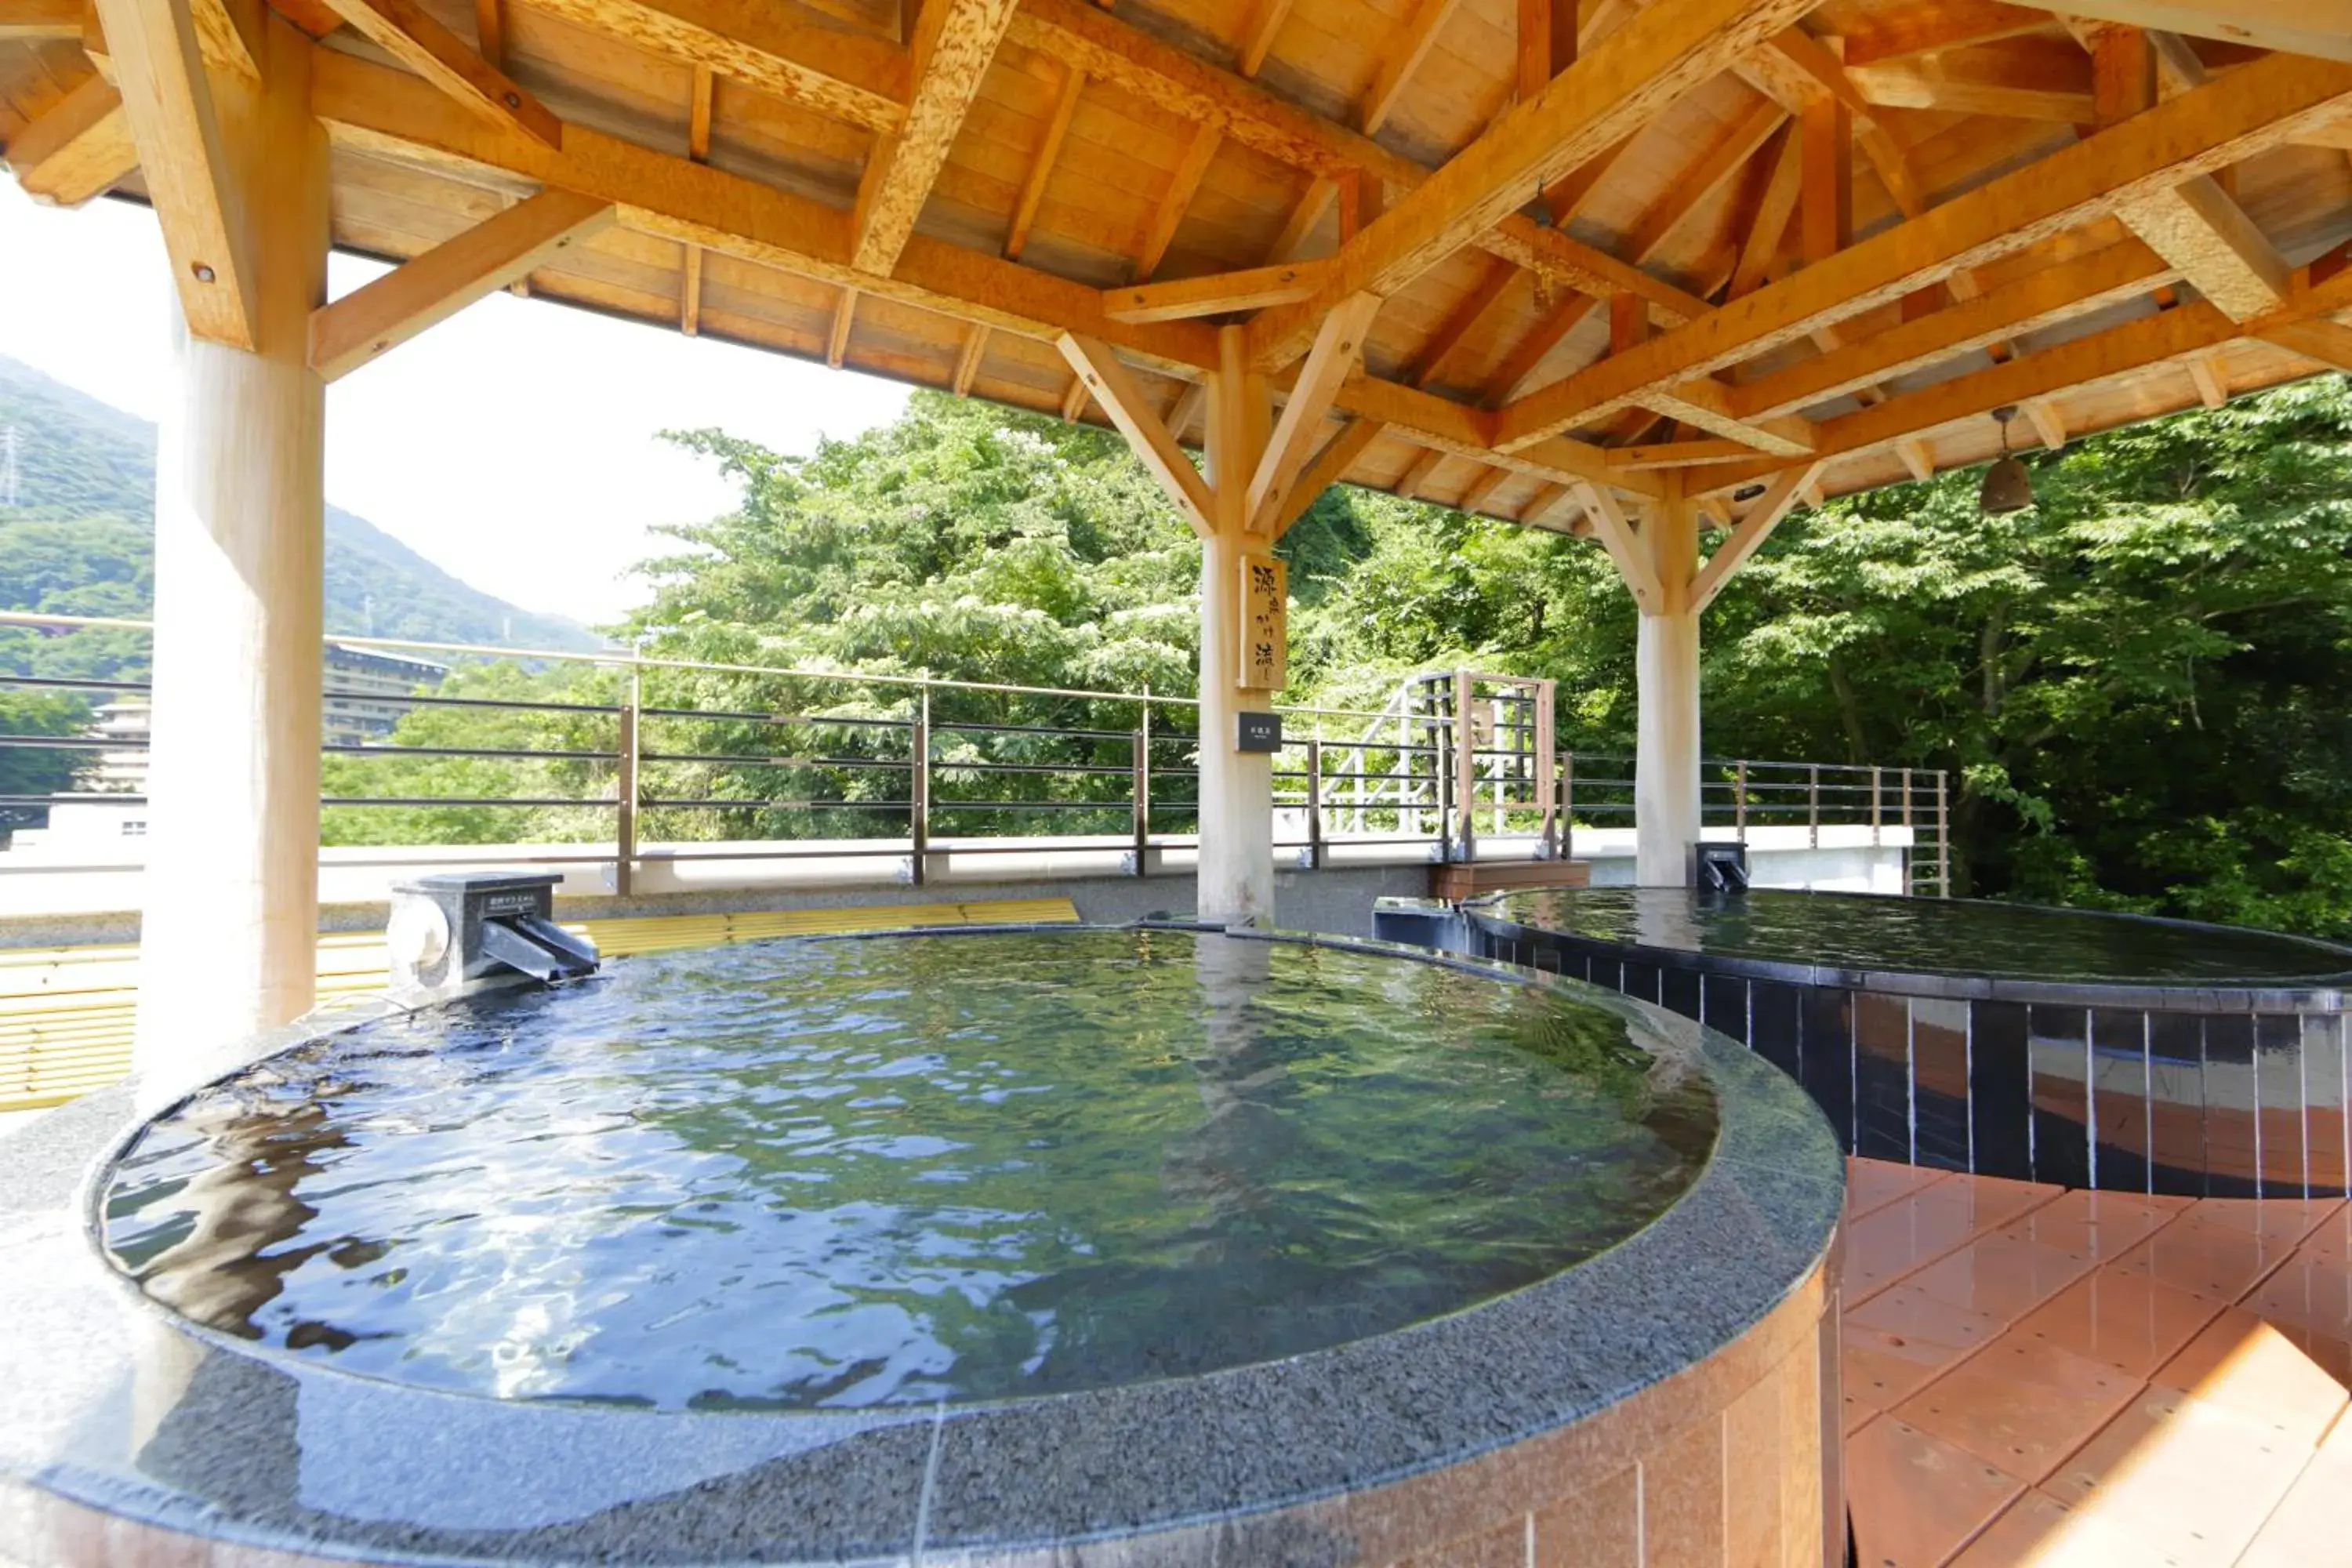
[(682, 765)]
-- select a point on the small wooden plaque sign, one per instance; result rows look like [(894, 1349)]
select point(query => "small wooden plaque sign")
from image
[(1265, 624)]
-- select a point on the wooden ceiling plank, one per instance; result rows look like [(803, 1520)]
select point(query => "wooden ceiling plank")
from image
[(1305, 215), (955, 43), (1041, 165), (159, 68), (1618, 87), (1330, 466), (1399, 59), (1112, 385), (411, 34), (1748, 535), (1510, 378), (76, 151), (848, 76), (1473, 308), (2255, 107), (367, 323), (1339, 349), (1257, 38), (1183, 184), (1216, 294), (2106, 277)]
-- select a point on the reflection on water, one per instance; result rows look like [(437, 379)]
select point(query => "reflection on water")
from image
[(1930, 936), (907, 1169)]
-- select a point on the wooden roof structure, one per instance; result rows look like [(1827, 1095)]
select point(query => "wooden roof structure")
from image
[(1747, 249)]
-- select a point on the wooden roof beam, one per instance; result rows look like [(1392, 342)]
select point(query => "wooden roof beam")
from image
[(1620, 85), (2176, 334), (1111, 385), (967, 360), (1216, 294), (1401, 59), (2255, 107), (1339, 349), (2197, 226), (1680, 454), (167, 99), (2317, 27), (1257, 38), (1041, 165), (2329, 343), (845, 74), (1748, 536), (955, 42), (1618, 536), (1899, 32), (1183, 184), (365, 323), (2103, 278), (79, 150), (409, 33), (1332, 464)]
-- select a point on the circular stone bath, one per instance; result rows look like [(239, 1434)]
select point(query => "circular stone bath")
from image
[(994, 1243), (2068, 1046)]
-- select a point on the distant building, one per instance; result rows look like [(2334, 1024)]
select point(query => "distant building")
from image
[(365, 689)]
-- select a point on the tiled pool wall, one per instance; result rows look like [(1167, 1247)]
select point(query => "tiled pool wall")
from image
[(2201, 1094)]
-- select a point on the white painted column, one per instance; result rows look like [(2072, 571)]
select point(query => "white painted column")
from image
[(231, 901), (1666, 758), (1235, 878)]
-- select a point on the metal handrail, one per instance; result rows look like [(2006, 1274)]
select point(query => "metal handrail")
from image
[(1398, 780)]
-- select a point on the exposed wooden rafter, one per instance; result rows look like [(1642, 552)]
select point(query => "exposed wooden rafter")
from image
[(1040, 164), (79, 150), (2255, 107), (955, 42), (369, 322), (411, 34)]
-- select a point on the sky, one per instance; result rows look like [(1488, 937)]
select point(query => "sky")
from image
[(514, 445)]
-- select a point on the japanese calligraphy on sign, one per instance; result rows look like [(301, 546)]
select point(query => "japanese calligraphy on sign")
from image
[(1265, 624)]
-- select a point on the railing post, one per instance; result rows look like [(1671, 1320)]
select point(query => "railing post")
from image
[(1813, 805), (1876, 817), (1567, 805), (918, 789), (1943, 840), (1143, 763), (1465, 769), (1315, 802), (1544, 760), (1740, 799), (625, 792)]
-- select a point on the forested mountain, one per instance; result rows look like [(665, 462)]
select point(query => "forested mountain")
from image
[(80, 542)]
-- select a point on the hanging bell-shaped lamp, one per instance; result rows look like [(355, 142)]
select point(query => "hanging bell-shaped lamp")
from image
[(2008, 486)]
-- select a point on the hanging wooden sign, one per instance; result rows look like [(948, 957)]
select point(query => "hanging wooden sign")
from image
[(1265, 624)]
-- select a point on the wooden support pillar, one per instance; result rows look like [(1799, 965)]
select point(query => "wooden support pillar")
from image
[(228, 940), (1236, 864), (1667, 755)]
